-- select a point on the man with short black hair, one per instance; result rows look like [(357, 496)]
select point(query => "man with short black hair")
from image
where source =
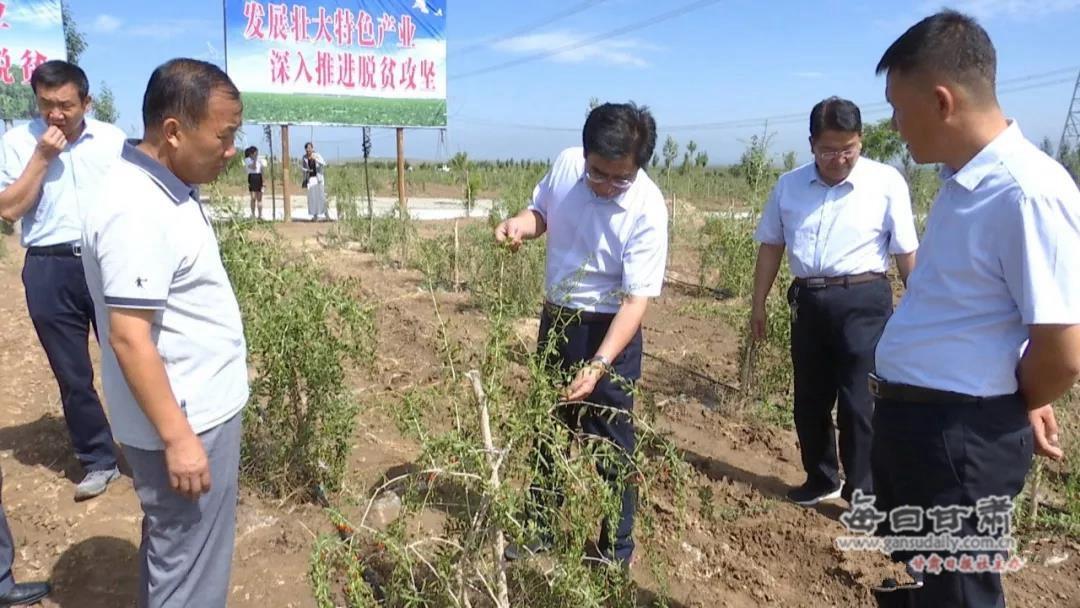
[(606, 223), (173, 354), (840, 218), (988, 334), (52, 172)]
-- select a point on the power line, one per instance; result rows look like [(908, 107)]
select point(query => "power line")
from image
[(577, 8), (1031, 81), (678, 12)]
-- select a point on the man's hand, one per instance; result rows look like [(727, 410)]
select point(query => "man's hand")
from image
[(758, 320), (188, 466), (1045, 427), (584, 382), (510, 233), (52, 143)]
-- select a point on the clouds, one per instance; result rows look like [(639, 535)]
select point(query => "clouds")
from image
[(105, 24), (166, 29), (624, 52)]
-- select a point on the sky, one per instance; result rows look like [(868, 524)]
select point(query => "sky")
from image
[(521, 74)]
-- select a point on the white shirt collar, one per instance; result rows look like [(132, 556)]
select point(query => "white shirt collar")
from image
[(972, 174), (852, 178)]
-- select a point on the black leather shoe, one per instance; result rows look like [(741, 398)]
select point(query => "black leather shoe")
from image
[(25, 594)]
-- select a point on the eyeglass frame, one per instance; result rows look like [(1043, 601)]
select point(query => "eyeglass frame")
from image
[(619, 183), (849, 153)]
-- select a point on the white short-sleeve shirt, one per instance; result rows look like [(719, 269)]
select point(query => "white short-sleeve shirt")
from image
[(841, 230), (254, 165), (148, 244), (1001, 251), (600, 250), (71, 181)]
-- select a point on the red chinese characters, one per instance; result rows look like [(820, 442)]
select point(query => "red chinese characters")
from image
[(366, 66), (279, 22), (5, 67), (388, 65), (365, 26), (427, 72), (322, 32), (30, 61), (344, 27), (300, 23), (255, 14), (408, 74), (302, 70), (406, 32), (324, 69), (346, 70), (279, 66)]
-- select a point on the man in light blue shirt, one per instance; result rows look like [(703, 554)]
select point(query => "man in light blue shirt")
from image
[(51, 175), (988, 334), (606, 226), (839, 217)]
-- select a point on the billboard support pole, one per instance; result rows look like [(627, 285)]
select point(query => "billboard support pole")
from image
[(269, 132), (401, 169), (285, 161)]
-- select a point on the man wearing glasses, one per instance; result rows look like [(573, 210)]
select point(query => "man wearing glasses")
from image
[(839, 217), (606, 223)]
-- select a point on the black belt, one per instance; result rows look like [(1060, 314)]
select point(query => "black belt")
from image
[(583, 316), (67, 250), (851, 279), (892, 391)]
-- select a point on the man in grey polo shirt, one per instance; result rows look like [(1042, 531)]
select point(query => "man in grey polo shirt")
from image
[(173, 353)]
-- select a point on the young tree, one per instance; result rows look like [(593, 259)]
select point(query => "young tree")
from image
[(105, 105), (1047, 146), (789, 161), (671, 152), (74, 40), (881, 142)]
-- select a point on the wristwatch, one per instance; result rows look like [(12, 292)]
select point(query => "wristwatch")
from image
[(604, 362)]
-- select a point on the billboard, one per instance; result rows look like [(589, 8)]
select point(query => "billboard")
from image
[(339, 62), (31, 33)]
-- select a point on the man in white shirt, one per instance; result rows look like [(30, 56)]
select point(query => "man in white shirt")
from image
[(173, 352), (52, 173), (839, 217), (988, 334), (606, 223)]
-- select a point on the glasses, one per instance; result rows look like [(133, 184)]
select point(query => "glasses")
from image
[(618, 182), (846, 154)]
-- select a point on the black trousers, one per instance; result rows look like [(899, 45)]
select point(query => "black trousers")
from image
[(582, 335), (63, 312), (834, 332), (947, 455), (7, 546)]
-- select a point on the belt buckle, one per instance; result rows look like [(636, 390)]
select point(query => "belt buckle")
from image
[(816, 282), (76, 249), (874, 382)]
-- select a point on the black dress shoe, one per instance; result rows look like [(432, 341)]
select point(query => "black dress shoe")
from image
[(25, 594)]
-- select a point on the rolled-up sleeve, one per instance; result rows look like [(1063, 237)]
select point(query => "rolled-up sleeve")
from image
[(1040, 257)]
